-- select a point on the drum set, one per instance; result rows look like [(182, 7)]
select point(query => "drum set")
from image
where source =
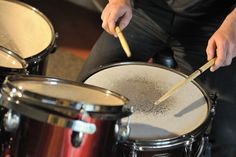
[(111, 115)]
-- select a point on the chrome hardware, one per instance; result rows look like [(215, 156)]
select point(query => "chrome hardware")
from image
[(15, 56), (213, 110), (207, 149), (201, 147), (76, 138), (11, 121), (26, 72), (56, 35), (15, 93), (161, 155), (213, 98), (54, 47), (188, 147), (81, 126), (122, 130), (78, 134), (133, 152)]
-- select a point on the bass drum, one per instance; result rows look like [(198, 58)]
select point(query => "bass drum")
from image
[(175, 127)]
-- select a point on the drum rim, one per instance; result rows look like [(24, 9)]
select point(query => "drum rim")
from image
[(162, 143), (67, 106), (40, 55), (74, 124), (14, 55)]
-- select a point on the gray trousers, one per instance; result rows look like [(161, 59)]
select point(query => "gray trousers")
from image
[(187, 37)]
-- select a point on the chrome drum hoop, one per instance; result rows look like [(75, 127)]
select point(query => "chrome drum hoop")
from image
[(67, 107)]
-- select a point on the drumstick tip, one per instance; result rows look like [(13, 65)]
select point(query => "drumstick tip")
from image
[(123, 41), (128, 52), (157, 102)]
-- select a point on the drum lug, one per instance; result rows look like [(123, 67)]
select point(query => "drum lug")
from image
[(188, 147), (56, 35), (77, 136), (15, 93), (133, 153), (11, 121), (122, 130), (213, 98), (54, 47), (26, 72), (213, 111)]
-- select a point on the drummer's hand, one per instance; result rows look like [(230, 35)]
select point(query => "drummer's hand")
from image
[(116, 10), (222, 44)]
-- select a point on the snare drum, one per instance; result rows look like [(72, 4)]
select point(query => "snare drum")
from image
[(176, 127), (49, 117), (27, 32)]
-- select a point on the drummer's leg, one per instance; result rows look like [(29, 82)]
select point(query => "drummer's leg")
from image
[(144, 39), (190, 55)]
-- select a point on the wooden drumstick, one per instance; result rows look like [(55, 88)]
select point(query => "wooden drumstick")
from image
[(123, 41), (185, 81), (120, 35)]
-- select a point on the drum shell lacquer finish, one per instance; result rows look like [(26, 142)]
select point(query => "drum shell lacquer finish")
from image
[(37, 139)]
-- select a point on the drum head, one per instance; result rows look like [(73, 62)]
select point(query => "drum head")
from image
[(63, 90), (23, 29), (142, 84)]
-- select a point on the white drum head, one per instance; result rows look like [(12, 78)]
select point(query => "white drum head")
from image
[(68, 91), (142, 84), (23, 29), (8, 61)]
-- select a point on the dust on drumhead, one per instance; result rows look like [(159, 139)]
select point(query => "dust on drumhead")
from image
[(142, 94)]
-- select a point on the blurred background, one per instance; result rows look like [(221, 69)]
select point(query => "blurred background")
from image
[(78, 25)]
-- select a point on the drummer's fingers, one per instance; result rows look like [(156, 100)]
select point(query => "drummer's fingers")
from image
[(104, 22), (125, 19), (221, 55), (111, 22), (103, 14), (105, 18), (211, 49)]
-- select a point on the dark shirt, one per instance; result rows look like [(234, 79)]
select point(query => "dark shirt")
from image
[(181, 12), (188, 7)]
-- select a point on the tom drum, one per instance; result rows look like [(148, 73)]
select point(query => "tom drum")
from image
[(49, 117)]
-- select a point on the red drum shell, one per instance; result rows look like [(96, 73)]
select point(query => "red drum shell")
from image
[(37, 136), (37, 139)]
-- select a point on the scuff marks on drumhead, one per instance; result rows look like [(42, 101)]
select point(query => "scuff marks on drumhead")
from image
[(142, 94)]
